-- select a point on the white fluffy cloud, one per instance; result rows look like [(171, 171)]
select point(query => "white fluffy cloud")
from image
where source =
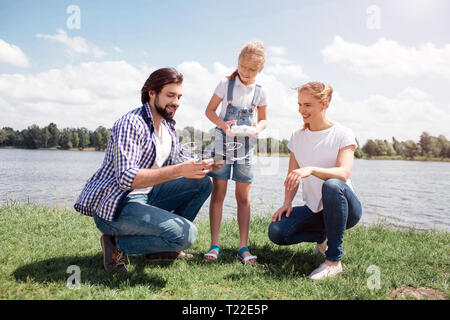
[(12, 54), (77, 45), (97, 93), (404, 116), (89, 94), (387, 57), (278, 65)]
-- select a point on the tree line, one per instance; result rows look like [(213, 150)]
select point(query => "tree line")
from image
[(427, 146), (50, 136)]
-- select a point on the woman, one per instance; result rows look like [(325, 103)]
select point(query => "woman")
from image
[(322, 158)]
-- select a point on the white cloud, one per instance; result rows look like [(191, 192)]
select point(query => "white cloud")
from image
[(89, 94), (293, 71), (280, 51), (387, 57), (117, 49), (76, 45), (12, 54), (278, 65), (97, 93), (404, 116)]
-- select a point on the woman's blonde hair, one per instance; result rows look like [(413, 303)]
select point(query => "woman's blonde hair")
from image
[(254, 50), (321, 91)]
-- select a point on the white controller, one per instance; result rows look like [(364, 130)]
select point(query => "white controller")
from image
[(243, 130)]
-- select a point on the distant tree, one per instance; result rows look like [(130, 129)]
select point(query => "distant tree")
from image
[(32, 137), (381, 149), (398, 147), (54, 135), (65, 140), (444, 146), (389, 149), (84, 139), (75, 138), (45, 136), (3, 137), (411, 149), (370, 148), (425, 143), (358, 151), (100, 138)]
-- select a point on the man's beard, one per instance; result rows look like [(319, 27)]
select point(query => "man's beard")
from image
[(163, 111)]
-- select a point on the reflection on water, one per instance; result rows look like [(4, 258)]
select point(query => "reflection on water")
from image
[(401, 193)]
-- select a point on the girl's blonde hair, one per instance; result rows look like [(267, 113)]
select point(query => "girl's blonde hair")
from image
[(321, 91), (254, 50)]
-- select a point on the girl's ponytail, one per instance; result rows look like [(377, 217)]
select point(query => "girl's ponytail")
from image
[(233, 75)]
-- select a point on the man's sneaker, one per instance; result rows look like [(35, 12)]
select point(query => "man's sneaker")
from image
[(318, 251), (113, 258), (325, 271)]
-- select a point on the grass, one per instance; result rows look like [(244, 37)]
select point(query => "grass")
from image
[(39, 243)]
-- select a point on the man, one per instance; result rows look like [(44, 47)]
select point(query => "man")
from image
[(148, 190)]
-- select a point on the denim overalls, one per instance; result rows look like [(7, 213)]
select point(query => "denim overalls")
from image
[(243, 146)]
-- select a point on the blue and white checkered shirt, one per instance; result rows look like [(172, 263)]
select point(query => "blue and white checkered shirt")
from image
[(131, 147)]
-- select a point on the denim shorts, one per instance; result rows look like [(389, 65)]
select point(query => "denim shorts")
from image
[(242, 172)]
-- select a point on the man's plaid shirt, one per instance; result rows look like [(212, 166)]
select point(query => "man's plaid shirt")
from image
[(131, 147)]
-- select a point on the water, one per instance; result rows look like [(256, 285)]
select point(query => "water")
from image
[(400, 193)]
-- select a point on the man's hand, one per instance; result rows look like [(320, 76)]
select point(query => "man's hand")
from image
[(195, 170), (217, 165)]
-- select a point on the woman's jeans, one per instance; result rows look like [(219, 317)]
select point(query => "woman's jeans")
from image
[(160, 220), (341, 210)]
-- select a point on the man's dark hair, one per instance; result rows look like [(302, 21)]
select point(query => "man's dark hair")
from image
[(157, 80)]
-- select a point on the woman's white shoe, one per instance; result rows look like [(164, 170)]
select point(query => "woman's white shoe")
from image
[(325, 271)]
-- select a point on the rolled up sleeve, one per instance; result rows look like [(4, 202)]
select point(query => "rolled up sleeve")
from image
[(128, 149)]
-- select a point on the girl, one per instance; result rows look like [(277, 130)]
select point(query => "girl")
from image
[(322, 158), (241, 100)]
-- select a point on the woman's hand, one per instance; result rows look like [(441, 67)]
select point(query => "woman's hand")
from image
[(285, 208), (293, 179)]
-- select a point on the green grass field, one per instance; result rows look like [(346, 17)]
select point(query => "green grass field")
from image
[(40, 243)]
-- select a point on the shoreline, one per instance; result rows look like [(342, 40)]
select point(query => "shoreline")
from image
[(279, 155)]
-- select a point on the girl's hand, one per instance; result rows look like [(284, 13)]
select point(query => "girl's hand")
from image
[(255, 135), (293, 179), (226, 125), (285, 208)]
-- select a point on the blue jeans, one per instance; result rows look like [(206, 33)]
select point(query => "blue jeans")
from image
[(160, 220), (341, 210)]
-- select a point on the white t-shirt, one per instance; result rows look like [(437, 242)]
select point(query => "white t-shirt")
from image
[(163, 147), (318, 149), (242, 96)]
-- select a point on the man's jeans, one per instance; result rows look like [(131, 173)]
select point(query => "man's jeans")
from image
[(161, 220), (341, 211)]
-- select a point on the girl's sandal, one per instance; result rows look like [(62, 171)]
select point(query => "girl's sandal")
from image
[(246, 259), (211, 254)]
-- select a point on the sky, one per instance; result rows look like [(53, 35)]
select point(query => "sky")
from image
[(83, 63)]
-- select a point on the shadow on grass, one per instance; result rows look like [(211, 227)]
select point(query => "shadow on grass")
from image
[(279, 262), (91, 272)]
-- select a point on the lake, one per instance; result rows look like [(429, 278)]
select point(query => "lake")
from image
[(400, 193)]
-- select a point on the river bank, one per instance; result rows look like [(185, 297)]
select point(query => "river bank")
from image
[(261, 154)]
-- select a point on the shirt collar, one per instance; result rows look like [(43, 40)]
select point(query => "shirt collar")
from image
[(239, 83), (148, 115)]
